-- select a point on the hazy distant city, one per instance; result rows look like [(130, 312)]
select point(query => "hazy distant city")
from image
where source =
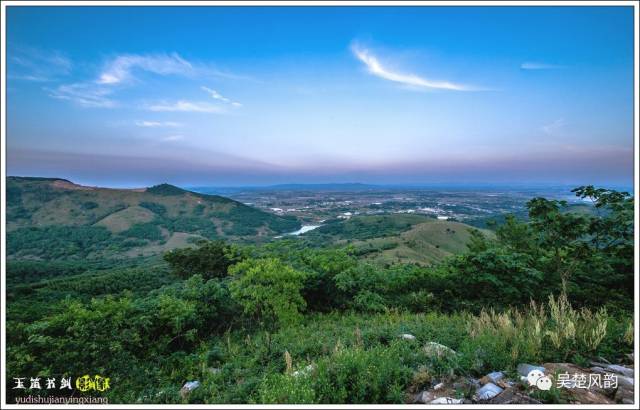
[(315, 204)]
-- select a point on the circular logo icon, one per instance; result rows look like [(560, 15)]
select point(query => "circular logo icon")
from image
[(544, 383), (533, 376)]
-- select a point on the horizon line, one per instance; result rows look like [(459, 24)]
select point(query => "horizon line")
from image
[(441, 184)]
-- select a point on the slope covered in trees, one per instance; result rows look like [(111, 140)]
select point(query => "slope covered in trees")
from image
[(56, 219)]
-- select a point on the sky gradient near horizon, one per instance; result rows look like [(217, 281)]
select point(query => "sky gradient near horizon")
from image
[(133, 96)]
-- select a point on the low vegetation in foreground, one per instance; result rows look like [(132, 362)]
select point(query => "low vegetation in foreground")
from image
[(294, 322)]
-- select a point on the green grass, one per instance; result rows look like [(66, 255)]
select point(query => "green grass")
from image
[(123, 220), (354, 358)]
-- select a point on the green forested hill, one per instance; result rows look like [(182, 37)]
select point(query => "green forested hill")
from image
[(399, 238), (50, 218)]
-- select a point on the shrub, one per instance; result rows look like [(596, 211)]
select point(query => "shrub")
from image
[(115, 334), (154, 207), (89, 205), (192, 224), (210, 259), (268, 290), (365, 285), (353, 375), (149, 231), (494, 277), (286, 389)]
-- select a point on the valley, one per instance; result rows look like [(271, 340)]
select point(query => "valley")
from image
[(473, 205), (246, 293)]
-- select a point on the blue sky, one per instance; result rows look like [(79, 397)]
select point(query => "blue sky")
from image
[(128, 96)]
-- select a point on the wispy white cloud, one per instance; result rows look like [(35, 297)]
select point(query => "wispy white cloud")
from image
[(375, 67), (531, 65), (38, 65), (83, 94), (121, 68), (157, 124), (554, 127), (217, 96), (214, 94), (185, 106), (125, 69)]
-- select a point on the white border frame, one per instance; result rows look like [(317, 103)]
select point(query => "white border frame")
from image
[(152, 3)]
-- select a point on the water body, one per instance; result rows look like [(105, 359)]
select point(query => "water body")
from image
[(305, 228)]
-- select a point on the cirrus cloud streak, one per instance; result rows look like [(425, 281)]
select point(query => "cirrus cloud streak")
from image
[(120, 69), (375, 67)]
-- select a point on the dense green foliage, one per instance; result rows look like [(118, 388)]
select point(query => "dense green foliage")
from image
[(75, 242), (589, 257), (293, 322), (26, 271), (211, 259), (268, 291), (149, 231), (166, 190), (154, 207), (121, 333)]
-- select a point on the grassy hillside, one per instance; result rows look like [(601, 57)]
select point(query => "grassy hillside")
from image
[(50, 218), (398, 238), (425, 243)]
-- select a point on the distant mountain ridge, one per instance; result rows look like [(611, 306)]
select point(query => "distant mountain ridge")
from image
[(357, 186), (349, 186)]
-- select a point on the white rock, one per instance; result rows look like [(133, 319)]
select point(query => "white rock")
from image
[(424, 397), (524, 369), (624, 395), (436, 349), (598, 369), (407, 336), (494, 377), (488, 391), (188, 388), (625, 382), (446, 400), (303, 372), (625, 371)]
